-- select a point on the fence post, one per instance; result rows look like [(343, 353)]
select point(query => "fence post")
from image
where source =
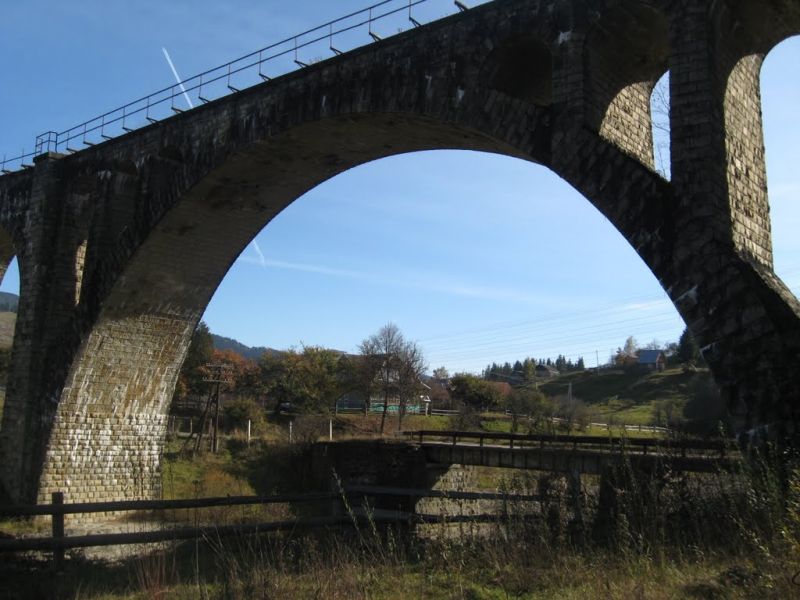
[(58, 530), (248, 432), (330, 430)]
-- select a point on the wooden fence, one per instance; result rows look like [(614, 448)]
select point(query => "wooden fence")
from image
[(58, 542)]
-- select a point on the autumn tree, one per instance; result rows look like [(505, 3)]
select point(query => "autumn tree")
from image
[(320, 378), (626, 356), (356, 376), (192, 373), (277, 374), (527, 402), (309, 380), (476, 393), (573, 411), (244, 374)]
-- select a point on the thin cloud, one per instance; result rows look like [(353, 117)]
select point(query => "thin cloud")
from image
[(645, 306), (487, 293), (261, 260), (453, 289), (264, 262)]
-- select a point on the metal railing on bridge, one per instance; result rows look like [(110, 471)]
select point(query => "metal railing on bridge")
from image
[(246, 71)]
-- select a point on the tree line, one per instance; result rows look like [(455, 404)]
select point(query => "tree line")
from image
[(388, 370), (526, 369)]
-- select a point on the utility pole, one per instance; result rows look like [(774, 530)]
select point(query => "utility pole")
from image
[(217, 375)]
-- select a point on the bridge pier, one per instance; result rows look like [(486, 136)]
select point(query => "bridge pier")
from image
[(721, 277), (51, 261)]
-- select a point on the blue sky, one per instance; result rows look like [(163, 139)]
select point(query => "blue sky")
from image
[(478, 258)]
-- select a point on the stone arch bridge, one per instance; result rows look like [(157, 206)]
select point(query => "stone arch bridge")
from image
[(121, 245)]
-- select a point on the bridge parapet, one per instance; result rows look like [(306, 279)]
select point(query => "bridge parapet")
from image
[(573, 453)]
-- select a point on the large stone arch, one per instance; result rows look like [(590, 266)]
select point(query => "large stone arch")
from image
[(121, 383), (250, 160), (206, 194)]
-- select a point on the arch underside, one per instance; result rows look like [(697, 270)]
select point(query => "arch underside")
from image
[(122, 382)]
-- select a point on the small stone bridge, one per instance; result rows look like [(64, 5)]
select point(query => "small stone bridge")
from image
[(438, 459), (121, 245), (589, 455)]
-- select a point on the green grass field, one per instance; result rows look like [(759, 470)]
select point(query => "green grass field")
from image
[(619, 397)]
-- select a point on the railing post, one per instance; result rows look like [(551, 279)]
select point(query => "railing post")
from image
[(58, 531)]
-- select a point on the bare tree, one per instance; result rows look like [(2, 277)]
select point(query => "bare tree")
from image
[(394, 366), (659, 110), (441, 373)]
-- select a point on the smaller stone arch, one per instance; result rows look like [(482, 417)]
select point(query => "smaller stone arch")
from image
[(7, 252), (750, 30), (780, 131), (746, 164), (661, 126), (625, 53)]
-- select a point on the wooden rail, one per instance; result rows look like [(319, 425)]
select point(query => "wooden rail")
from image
[(58, 541), (128, 505), (610, 443)]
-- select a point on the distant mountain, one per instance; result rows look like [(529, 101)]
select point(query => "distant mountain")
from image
[(254, 353), (8, 302)]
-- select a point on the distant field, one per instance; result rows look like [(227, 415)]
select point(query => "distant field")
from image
[(616, 396), (7, 322), (632, 388)]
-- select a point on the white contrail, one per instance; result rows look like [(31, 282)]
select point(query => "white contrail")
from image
[(177, 78), (262, 261)]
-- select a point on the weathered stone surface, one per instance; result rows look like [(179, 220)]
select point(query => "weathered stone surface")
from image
[(122, 245)]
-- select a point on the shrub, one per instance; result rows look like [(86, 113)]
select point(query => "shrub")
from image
[(237, 412)]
